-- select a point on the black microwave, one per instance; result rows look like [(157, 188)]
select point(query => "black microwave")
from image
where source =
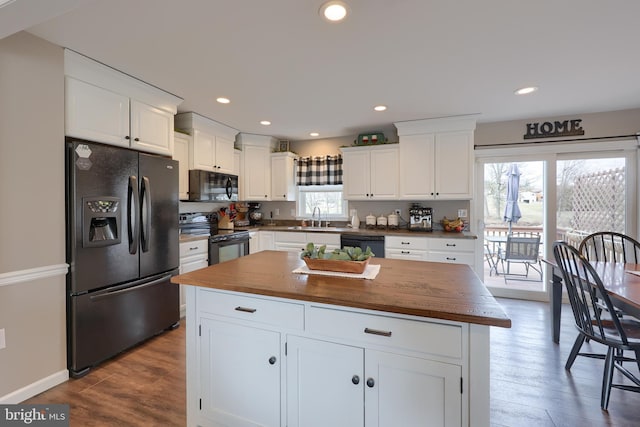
[(205, 186)]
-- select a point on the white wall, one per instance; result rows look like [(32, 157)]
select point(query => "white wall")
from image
[(32, 215)]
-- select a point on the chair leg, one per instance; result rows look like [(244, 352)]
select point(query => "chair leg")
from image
[(607, 379), (574, 351)]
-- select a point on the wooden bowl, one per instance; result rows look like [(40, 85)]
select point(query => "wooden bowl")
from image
[(356, 267)]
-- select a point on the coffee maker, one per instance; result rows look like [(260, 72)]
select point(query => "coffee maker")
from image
[(255, 216), (420, 218)]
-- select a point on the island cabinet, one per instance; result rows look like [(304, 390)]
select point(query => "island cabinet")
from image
[(292, 361), (269, 347), (105, 105), (370, 173), (436, 158)]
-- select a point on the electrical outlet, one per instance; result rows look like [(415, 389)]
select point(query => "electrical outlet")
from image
[(462, 213), (277, 212), (3, 343), (398, 212)]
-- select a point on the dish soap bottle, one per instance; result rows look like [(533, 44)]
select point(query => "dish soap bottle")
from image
[(355, 221)]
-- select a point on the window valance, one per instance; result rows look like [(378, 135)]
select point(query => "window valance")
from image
[(325, 170)]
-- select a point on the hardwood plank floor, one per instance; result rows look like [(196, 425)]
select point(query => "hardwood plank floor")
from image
[(529, 385)]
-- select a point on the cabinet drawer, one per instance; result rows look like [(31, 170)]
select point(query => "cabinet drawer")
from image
[(406, 254), (323, 238), (452, 257), (194, 247), (464, 245), (283, 314), (425, 337), (290, 237), (408, 242)]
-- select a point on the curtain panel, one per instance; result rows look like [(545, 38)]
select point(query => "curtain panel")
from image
[(326, 170)]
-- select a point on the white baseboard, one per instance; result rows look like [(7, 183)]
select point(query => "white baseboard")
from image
[(35, 388)]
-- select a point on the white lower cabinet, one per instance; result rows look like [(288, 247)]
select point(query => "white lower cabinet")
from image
[(240, 375), (194, 255), (453, 251), (267, 240), (297, 241), (366, 387), (406, 247), (261, 361)]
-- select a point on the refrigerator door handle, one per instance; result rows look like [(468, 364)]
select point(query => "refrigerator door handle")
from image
[(133, 214), (146, 213), (132, 288)]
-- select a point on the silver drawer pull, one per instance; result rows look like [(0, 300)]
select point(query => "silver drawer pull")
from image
[(377, 332), (245, 309)]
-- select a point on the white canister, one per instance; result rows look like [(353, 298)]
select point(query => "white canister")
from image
[(370, 221), (392, 220), (382, 221)]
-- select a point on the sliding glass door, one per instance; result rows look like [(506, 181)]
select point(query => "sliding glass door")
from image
[(564, 193)]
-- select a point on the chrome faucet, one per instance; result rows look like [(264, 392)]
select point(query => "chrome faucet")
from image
[(313, 215)]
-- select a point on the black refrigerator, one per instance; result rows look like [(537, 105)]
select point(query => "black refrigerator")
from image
[(122, 249)]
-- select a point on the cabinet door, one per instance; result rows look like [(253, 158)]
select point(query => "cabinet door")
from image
[(257, 167), (324, 384), (267, 241), (254, 242), (203, 151), (282, 178), (151, 129), (384, 174), (240, 374), (416, 159), (224, 155), (96, 114), (411, 392), (356, 174), (181, 154), (454, 165)]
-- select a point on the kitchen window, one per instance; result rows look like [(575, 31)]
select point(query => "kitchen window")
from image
[(328, 198)]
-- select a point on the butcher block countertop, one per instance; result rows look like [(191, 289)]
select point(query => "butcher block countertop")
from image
[(426, 289)]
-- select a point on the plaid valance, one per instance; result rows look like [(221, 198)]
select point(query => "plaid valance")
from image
[(325, 170)]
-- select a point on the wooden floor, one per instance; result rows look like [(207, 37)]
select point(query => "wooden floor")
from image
[(529, 385)]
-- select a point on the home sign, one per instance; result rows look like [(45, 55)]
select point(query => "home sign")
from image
[(554, 129)]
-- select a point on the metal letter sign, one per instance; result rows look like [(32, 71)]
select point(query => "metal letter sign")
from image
[(554, 129)]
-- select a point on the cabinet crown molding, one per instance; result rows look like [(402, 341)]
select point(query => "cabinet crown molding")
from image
[(255, 139), (191, 120), (93, 72), (443, 124)]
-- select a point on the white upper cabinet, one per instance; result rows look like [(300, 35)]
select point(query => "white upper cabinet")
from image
[(181, 154), (283, 185), (105, 105), (211, 145), (370, 173), (436, 158), (256, 165)]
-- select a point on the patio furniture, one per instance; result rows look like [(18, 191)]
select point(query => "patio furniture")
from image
[(520, 249), (584, 285)]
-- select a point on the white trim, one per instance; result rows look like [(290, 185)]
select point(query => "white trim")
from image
[(30, 274), (555, 148), (35, 388), (441, 124)]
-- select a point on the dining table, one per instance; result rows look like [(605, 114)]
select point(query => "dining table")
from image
[(622, 282)]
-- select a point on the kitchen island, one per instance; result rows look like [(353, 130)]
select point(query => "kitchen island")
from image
[(266, 346)]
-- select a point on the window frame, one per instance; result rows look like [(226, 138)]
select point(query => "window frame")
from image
[(301, 191)]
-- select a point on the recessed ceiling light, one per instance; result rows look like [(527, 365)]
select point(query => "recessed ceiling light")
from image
[(223, 100), (333, 11), (526, 90), (265, 122), (380, 107), (314, 134)]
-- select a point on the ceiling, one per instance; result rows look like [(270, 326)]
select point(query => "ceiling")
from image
[(277, 60)]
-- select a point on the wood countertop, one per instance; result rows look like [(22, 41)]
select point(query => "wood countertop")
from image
[(426, 289)]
